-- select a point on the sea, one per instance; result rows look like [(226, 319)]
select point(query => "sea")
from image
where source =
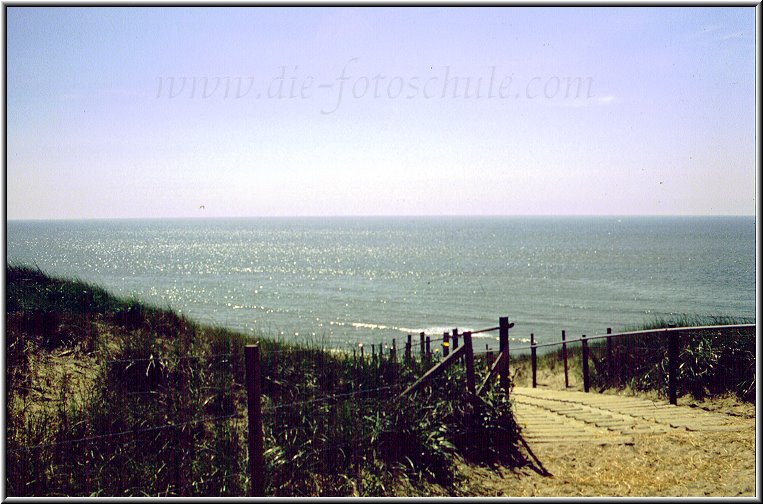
[(346, 281)]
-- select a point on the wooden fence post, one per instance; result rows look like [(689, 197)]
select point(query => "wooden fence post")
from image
[(254, 410), (673, 367), (610, 360), (586, 382), (564, 356), (422, 353), (534, 355), (445, 344), (622, 359), (455, 338), (393, 361), (617, 358), (408, 346), (470, 384), (503, 338), (362, 357), (429, 351)]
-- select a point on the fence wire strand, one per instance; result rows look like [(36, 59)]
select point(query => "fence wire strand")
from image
[(169, 359), (142, 430), (330, 397)]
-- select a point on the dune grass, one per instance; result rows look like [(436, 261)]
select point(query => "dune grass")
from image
[(109, 396)]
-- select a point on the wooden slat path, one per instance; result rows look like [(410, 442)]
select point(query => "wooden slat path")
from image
[(556, 416)]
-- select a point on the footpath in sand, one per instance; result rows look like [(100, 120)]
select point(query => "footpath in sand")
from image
[(595, 444)]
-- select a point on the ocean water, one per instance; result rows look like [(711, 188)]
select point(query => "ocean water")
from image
[(344, 281)]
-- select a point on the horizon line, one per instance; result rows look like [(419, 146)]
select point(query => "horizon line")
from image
[(366, 216)]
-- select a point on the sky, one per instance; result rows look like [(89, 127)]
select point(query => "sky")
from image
[(213, 112)]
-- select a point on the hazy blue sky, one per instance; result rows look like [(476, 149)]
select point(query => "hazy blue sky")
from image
[(591, 111)]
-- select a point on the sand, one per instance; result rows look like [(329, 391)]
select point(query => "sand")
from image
[(672, 463)]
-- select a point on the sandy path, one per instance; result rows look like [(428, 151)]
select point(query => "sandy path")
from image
[(612, 445)]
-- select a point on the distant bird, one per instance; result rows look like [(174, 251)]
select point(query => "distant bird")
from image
[(202, 207)]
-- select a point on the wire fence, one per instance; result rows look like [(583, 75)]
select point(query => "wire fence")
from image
[(176, 424), (707, 359)]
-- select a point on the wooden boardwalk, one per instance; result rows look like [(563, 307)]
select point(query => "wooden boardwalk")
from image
[(558, 416)]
